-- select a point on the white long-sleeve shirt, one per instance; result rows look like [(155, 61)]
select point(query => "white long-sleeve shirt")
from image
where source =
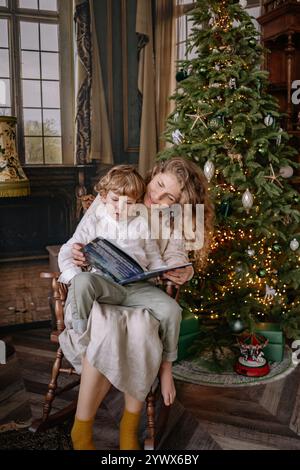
[(99, 222)]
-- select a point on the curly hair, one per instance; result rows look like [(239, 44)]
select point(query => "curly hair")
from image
[(123, 180), (194, 190)]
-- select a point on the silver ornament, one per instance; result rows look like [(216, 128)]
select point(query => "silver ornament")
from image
[(243, 3), (237, 325), (250, 251), (286, 171), (209, 170), (279, 136), (214, 123), (247, 200), (239, 268), (269, 120), (232, 83), (177, 137), (270, 293), (294, 245)]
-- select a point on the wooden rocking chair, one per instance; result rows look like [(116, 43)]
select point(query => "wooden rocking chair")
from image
[(154, 429)]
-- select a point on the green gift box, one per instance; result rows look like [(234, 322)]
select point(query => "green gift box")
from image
[(184, 344), (275, 349), (189, 324), (274, 352)]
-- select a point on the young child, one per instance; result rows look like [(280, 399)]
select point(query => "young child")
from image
[(86, 287)]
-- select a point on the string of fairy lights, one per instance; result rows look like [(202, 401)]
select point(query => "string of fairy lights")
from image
[(261, 253)]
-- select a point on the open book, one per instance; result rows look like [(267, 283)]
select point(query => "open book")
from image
[(122, 268)]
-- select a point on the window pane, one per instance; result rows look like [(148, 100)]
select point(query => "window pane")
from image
[(4, 92), (28, 4), (30, 64), (52, 124), (50, 67), (51, 97), (32, 122), (3, 3), (31, 94), (53, 152), (5, 112), (50, 5), (3, 33), (29, 35), (34, 149), (4, 63), (49, 37)]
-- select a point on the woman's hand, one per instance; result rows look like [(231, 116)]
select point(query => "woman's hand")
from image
[(78, 256), (179, 276)]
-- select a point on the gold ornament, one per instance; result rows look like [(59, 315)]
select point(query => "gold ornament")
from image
[(198, 117), (236, 157), (273, 177)]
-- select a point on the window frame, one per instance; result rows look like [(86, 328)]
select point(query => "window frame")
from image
[(64, 18), (182, 7)]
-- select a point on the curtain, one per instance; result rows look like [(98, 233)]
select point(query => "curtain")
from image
[(156, 79), (92, 135), (165, 59), (146, 86)]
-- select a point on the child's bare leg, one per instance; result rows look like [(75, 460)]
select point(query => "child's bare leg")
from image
[(167, 383)]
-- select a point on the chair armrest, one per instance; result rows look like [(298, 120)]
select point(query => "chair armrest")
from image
[(50, 275)]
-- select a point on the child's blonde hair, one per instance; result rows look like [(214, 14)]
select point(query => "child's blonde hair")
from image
[(123, 180)]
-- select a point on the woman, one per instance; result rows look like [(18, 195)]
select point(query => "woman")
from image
[(111, 336)]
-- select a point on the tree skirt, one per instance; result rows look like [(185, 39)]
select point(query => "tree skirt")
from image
[(196, 371)]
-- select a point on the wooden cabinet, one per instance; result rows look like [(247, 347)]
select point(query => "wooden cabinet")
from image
[(280, 23)]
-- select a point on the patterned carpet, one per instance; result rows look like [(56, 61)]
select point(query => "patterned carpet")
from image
[(195, 371)]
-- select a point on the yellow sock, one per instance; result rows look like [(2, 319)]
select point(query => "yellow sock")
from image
[(129, 426), (82, 435)]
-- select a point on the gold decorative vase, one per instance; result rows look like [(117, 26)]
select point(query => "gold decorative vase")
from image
[(13, 181)]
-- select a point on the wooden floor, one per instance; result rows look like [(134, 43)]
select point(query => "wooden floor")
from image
[(23, 295), (257, 417)]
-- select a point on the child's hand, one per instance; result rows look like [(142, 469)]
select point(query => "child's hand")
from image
[(78, 256)]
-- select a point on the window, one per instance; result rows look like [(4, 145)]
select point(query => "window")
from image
[(36, 77), (184, 27)]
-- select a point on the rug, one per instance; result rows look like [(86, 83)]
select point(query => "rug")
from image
[(57, 438), (196, 371)]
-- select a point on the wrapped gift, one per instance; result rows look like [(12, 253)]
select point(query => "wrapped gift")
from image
[(184, 344), (189, 332), (189, 324), (275, 349)]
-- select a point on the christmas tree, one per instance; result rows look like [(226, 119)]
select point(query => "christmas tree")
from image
[(226, 121)]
